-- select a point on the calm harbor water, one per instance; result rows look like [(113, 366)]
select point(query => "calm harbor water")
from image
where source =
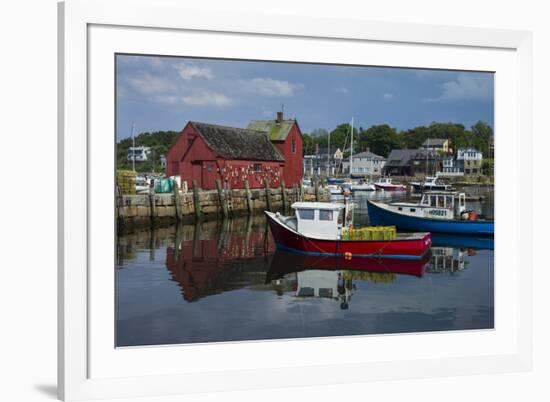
[(224, 281)]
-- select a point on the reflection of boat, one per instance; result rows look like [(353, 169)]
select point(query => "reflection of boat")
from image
[(446, 259), (438, 211), (284, 263), (316, 230), (431, 183), (463, 241), (386, 184)]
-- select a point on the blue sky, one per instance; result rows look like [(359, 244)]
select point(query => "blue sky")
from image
[(164, 93)]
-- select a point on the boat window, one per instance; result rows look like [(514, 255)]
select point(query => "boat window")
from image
[(400, 209), (413, 209), (325, 215), (308, 214)]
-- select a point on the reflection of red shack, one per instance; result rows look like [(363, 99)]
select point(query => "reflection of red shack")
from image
[(268, 150), (206, 267)]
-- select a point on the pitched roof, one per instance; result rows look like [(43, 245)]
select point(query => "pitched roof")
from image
[(276, 131), (238, 143), (368, 154), (401, 157), (434, 142)]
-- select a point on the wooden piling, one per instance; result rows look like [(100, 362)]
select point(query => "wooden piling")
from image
[(222, 199), (249, 205), (196, 200), (317, 196), (267, 196), (177, 201), (152, 203), (283, 195)]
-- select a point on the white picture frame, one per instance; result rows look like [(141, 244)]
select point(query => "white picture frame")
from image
[(92, 31)]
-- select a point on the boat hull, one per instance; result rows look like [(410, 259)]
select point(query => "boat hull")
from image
[(435, 187), (292, 241), (284, 263), (389, 187), (380, 216)]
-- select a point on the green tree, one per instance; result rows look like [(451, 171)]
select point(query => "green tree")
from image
[(159, 142), (482, 137), (379, 139)]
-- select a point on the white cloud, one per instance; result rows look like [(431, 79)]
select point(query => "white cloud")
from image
[(188, 72), (465, 86), (342, 90), (206, 98), (166, 99), (271, 87), (148, 84), (388, 96)]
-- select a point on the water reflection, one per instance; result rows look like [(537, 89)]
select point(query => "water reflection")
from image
[(221, 281)]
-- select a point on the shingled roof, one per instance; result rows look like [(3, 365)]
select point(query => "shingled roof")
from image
[(238, 143), (277, 131)]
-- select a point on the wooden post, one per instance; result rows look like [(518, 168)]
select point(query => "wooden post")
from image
[(267, 196), (221, 198), (283, 195), (317, 190), (196, 200), (152, 203), (177, 201), (248, 197)]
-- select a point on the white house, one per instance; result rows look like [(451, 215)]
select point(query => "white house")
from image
[(470, 160), (139, 154), (365, 164)]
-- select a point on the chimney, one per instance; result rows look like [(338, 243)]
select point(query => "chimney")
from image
[(279, 117)]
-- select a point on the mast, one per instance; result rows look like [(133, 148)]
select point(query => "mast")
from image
[(328, 156), (351, 151), (133, 149)]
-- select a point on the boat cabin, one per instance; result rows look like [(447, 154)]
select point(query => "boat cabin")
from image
[(455, 202), (434, 205), (319, 219)]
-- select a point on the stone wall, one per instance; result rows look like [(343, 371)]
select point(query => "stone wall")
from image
[(158, 209)]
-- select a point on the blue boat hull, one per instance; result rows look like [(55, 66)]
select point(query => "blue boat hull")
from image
[(380, 216)]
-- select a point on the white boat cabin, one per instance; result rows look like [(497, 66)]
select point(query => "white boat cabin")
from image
[(434, 204), (322, 220)]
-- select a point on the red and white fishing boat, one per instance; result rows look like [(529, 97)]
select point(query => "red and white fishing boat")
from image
[(316, 229), (386, 184)]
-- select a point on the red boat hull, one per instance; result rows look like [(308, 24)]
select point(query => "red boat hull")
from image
[(284, 263), (408, 248)]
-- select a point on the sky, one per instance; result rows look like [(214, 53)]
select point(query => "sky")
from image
[(163, 93)]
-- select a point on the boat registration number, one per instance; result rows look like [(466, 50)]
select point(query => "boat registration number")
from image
[(437, 212)]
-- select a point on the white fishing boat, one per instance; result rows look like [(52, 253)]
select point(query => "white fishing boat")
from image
[(334, 189), (431, 183), (386, 184), (362, 186)]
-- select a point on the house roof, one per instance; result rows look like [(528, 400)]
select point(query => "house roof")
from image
[(368, 154), (238, 143), (401, 157), (432, 142), (276, 131)]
